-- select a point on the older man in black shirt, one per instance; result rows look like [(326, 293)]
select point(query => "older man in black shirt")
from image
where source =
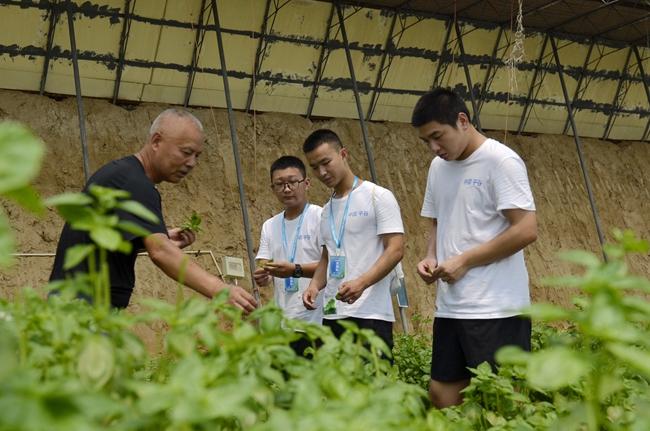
[(174, 144)]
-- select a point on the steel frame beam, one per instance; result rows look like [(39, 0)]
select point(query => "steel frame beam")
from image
[(378, 81), (443, 50), (362, 122), (576, 138), (235, 150), (646, 87), (256, 65), (322, 60), (196, 51), (581, 16), (618, 100), (468, 78), (621, 26), (576, 94), (54, 18), (489, 76), (524, 114), (124, 38), (77, 87)]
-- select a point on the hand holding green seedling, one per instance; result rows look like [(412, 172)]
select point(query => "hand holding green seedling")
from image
[(193, 223)]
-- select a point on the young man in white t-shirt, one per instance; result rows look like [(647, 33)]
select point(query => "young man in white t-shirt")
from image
[(362, 239), (289, 248), (483, 215)]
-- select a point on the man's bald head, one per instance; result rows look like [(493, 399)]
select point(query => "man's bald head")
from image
[(172, 114)]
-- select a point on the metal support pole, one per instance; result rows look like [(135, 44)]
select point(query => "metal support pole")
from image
[(362, 122), (639, 62), (487, 80), (468, 78), (320, 67), (387, 47), (124, 37), (54, 18), (258, 52), (576, 137), (524, 114), (235, 150), (77, 87), (616, 103), (198, 42), (443, 49), (582, 75)]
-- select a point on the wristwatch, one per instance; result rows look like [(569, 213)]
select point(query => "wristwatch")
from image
[(297, 273)]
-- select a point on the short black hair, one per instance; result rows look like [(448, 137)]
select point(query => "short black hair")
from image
[(321, 136), (440, 105), (285, 162)]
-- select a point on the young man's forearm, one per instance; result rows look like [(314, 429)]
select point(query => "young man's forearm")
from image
[(507, 243), (392, 255)]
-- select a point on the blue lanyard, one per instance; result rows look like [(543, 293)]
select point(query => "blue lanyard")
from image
[(294, 244), (339, 240)]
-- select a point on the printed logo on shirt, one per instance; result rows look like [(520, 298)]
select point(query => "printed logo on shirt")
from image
[(475, 182), (306, 237), (358, 214)]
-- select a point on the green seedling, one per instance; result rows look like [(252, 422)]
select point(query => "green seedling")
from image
[(193, 223), (330, 307)]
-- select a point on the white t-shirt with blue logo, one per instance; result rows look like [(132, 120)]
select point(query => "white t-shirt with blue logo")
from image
[(308, 250), (467, 198), (373, 212)]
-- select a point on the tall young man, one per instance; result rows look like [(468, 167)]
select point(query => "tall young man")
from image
[(362, 239), (483, 215), (289, 250)]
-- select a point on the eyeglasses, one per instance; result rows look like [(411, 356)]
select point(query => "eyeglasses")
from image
[(293, 184)]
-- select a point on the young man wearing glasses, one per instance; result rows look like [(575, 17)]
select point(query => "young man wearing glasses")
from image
[(289, 250), (362, 239), (482, 216)]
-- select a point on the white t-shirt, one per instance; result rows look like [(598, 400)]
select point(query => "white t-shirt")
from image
[(467, 197), (362, 246), (308, 250)]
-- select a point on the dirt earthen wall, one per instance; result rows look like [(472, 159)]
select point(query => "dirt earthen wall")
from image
[(619, 174)]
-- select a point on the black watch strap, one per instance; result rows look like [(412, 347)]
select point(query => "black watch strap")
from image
[(297, 273)]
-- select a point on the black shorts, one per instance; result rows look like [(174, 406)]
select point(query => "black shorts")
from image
[(462, 343), (382, 328)]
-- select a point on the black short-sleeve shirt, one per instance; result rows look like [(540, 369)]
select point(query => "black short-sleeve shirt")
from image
[(125, 174)]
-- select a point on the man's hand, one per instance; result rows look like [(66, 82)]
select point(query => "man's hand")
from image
[(281, 269), (351, 290), (181, 238), (241, 299), (451, 270), (309, 297), (426, 269), (262, 277)]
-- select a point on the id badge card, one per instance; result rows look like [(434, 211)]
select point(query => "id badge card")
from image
[(337, 265), (290, 284)]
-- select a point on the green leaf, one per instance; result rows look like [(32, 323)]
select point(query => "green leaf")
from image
[(105, 237), (20, 156), (633, 356), (76, 254), (546, 312), (6, 242), (513, 355), (66, 199), (555, 368), (28, 198), (581, 257), (130, 227), (136, 208), (96, 362)]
